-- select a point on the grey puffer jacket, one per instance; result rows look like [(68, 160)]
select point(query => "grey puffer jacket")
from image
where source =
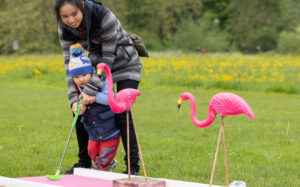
[(107, 42)]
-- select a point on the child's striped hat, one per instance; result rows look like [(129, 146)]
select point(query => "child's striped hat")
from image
[(80, 64)]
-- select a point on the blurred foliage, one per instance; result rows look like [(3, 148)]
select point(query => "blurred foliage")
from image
[(32, 23), (200, 35), (248, 26), (289, 43), (253, 21)]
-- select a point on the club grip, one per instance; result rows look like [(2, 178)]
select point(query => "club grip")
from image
[(77, 113)]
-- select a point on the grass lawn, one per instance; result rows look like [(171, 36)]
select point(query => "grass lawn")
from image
[(36, 120)]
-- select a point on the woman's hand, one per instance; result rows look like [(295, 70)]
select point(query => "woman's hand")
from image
[(82, 109)]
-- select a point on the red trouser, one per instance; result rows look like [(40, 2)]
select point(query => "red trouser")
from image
[(102, 153)]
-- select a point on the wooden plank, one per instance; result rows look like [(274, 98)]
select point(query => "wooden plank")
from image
[(138, 182)]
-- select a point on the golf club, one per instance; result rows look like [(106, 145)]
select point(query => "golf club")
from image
[(56, 176)]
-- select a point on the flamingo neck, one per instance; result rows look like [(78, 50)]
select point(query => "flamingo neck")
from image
[(210, 117), (111, 100)]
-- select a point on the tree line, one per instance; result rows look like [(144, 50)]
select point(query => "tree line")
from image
[(248, 26)]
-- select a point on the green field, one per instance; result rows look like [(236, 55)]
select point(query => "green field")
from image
[(36, 120)]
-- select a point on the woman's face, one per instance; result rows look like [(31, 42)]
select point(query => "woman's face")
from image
[(71, 15)]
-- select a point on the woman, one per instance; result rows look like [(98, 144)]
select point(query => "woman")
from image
[(101, 33)]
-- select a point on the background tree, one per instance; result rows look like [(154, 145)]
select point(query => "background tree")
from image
[(249, 26), (157, 20), (256, 24), (32, 23)]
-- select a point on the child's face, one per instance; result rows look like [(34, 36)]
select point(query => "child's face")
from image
[(81, 80), (71, 15)]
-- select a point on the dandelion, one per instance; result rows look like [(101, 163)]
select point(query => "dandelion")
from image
[(20, 128), (37, 72), (227, 77), (186, 68), (215, 77)]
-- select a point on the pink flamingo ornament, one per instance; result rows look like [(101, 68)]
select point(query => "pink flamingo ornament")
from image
[(223, 104), (122, 102), (124, 98)]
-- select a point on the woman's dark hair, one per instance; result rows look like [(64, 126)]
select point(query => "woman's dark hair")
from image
[(59, 3)]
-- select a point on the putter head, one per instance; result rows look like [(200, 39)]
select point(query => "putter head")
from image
[(54, 177)]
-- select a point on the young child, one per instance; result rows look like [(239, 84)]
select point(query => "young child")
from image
[(98, 119)]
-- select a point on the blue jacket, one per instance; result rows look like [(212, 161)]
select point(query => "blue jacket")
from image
[(99, 119)]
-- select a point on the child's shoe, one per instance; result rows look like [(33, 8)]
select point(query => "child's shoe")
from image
[(96, 167), (112, 165)]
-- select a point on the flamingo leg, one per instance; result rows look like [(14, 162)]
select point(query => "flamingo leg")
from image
[(216, 155), (128, 146), (224, 150), (139, 147)]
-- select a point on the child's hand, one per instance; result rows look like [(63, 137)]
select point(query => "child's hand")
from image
[(74, 107), (87, 99)]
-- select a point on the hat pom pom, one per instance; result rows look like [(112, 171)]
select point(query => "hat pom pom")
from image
[(76, 50)]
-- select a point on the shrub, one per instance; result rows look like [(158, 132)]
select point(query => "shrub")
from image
[(289, 43), (204, 33), (259, 40)]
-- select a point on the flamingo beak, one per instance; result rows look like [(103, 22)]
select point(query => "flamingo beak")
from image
[(99, 71), (179, 102)]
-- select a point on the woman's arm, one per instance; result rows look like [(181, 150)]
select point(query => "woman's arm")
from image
[(65, 45), (91, 87), (109, 38)]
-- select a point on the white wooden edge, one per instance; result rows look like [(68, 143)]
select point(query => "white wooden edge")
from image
[(113, 175)]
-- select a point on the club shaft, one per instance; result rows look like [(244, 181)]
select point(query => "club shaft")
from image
[(63, 156)]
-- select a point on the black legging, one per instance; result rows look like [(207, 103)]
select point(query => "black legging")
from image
[(122, 123), (83, 140)]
